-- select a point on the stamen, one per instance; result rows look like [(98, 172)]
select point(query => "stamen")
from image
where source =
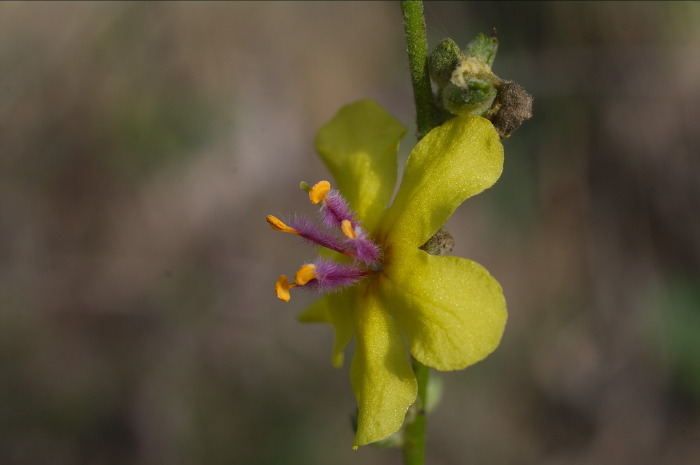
[(327, 275), (334, 208), (312, 233), (282, 287), (319, 191), (330, 276), (305, 274), (347, 229), (361, 246), (278, 225)]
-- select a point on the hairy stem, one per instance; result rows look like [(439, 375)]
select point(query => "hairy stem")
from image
[(414, 25), (414, 445), (416, 40)]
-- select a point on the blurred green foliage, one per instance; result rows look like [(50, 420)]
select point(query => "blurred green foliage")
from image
[(152, 128), (679, 345)]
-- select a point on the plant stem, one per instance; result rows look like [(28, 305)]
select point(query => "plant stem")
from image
[(414, 25), (416, 40), (414, 445)]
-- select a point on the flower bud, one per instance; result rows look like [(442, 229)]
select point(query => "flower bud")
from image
[(512, 106), (443, 60), (440, 244), (473, 98), (434, 392)]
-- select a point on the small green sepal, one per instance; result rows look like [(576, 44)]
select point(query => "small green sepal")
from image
[(483, 47), (474, 97)]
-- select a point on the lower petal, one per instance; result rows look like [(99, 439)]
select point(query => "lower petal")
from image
[(336, 310), (381, 374), (452, 310)]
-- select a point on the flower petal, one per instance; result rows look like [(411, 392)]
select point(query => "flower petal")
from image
[(451, 163), (451, 309), (336, 310), (359, 146), (381, 375)]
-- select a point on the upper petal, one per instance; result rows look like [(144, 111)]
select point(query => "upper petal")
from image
[(381, 374), (336, 310), (452, 310), (451, 163), (359, 146)]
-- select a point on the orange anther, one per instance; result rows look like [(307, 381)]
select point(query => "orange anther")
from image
[(346, 227), (278, 225), (319, 191), (282, 287), (305, 274)]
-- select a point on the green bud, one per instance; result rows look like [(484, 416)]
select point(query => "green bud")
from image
[(304, 186), (433, 392), (472, 68), (473, 98), (483, 47), (443, 60)]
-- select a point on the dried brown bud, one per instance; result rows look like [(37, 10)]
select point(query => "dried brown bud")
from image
[(440, 244), (512, 106)]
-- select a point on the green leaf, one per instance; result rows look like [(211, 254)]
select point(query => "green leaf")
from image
[(451, 309), (451, 163), (381, 374), (360, 146)]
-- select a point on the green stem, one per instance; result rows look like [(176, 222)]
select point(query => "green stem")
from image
[(414, 441), (414, 25), (426, 119)]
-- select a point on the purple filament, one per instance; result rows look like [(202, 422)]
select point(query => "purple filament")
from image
[(331, 276)]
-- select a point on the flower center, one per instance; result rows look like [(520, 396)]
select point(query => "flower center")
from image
[(346, 236)]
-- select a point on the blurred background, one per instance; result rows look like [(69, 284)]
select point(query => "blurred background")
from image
[(142, 145)]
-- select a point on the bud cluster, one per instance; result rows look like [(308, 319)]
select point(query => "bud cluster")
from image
[(467, 85)]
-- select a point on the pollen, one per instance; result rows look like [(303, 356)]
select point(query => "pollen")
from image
[(319, 191), (347, 229), (305, 274), (279, 225), (282, 287)]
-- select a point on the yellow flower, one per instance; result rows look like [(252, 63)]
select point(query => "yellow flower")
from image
[(448, 310)]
